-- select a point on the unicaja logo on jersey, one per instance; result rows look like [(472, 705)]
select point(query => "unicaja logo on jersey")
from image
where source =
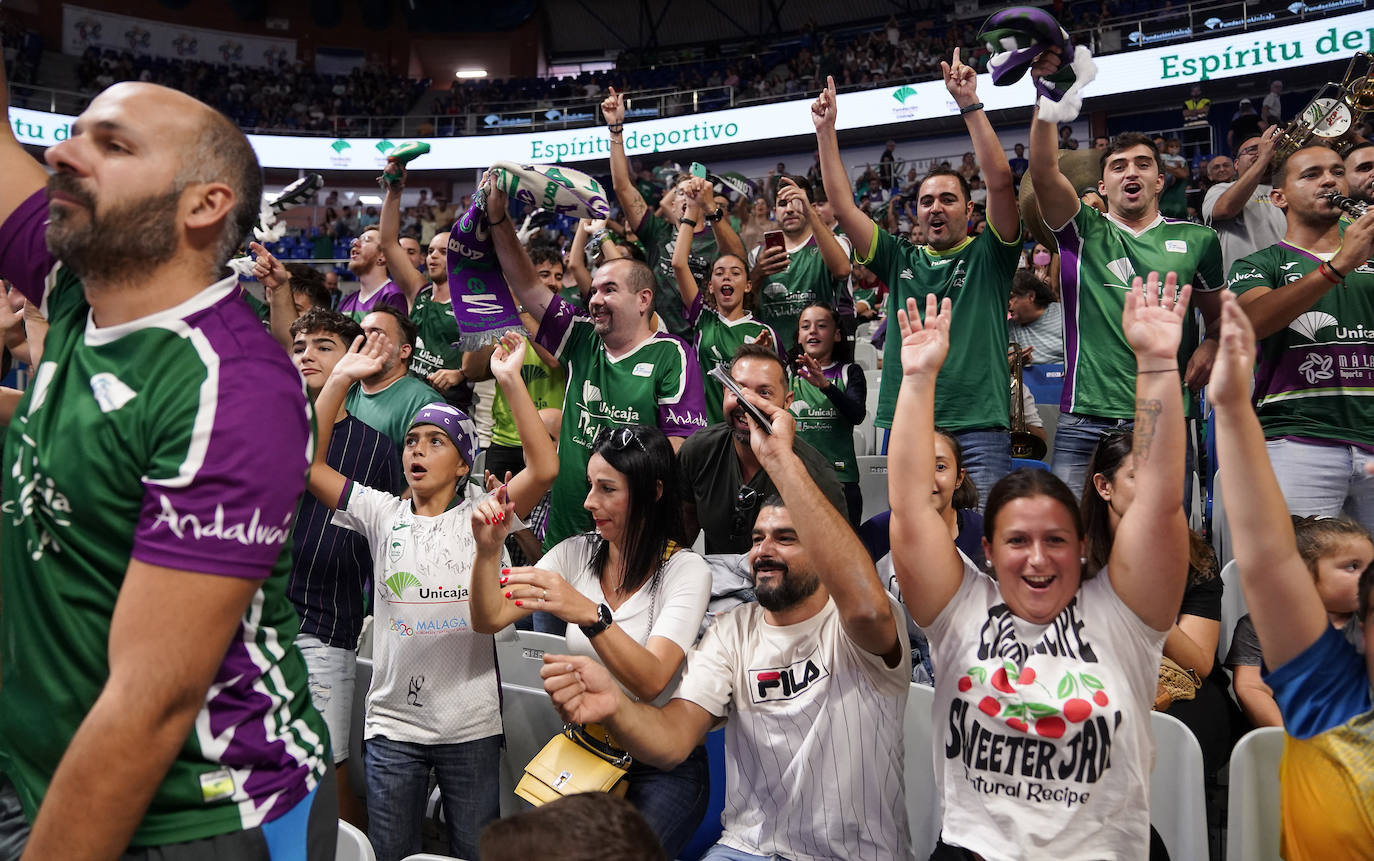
[(399, 581), (785, 683), (1309, 324)]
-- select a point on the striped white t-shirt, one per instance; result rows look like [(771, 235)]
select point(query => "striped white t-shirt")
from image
[(813, 736)]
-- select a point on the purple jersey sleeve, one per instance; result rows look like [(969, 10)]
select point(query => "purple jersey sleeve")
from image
[(694, 309), (682, 399), (24, 258), (229, 462), (556, 325)]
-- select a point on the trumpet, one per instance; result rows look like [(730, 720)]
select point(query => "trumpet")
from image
[(1349, 205), (1024, 444), (1334, 113)]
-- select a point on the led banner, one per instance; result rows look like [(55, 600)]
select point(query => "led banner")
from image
[(1253, 53)]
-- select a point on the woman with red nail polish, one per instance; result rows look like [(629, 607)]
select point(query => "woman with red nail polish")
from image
[(633, 599), (434, 701)]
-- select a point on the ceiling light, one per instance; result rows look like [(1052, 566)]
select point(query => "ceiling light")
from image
[(369, 200), (472, 73)]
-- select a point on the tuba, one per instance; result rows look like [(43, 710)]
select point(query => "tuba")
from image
[(1334, 114), (1024, 444)]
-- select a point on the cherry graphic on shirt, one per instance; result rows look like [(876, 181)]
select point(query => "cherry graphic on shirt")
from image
[(1027, 677), (965, 682), (990, 706), (1050, 727), (1100, 698), (1077, 710), (1001, 683), (1017, 724)]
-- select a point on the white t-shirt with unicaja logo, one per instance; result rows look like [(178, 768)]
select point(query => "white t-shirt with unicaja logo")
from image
[(1043, 745)]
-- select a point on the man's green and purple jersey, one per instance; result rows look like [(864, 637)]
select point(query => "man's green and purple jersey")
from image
[(354, 306), (656, 383), (181, 440), (1315, 377), (1098, 259)]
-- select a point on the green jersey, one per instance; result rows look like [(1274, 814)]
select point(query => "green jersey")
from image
[(438, 331), (717, 339), (660, 238), (655, 383), (545, 386), (971, 391), (391, 409), (822, 422), (144, 442), (1315, 377), (805, 280), (1098, 258)]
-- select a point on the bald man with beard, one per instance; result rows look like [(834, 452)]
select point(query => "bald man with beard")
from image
[(153, 703)]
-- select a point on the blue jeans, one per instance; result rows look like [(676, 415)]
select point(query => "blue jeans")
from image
[(672, 802), (1075, 438), (398, 785), (987, 457), (1324, 479)]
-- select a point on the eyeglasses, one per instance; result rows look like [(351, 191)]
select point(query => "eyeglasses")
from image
[(618, 438), (1250, 150), (746, 501)]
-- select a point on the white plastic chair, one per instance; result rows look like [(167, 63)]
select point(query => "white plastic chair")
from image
[(1178, 802), (873, 377), (1252, 818), (530, 720), (357, 774), (353, 845), (520, 658), (1233, 605), (1221, 530), (865, 354), (873, 484), (923, 808)]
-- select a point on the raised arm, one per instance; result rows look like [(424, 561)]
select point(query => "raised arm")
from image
[(613, 109), (516, 265), (857, 226), (1149, 560), (1271, 310), (1231, 203), (541, 453), (727, 240), (831, 545), (406, 276), (276, 281), (832, 252), (1003, 216), (363, 359), (23, 174), (1056, 196), (682, 251), (1283, 601), (577, 257), (926, 563)]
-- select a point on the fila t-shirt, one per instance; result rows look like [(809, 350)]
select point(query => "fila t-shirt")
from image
[(433, 677), (814, 750), (1043, 746), (657, 382)]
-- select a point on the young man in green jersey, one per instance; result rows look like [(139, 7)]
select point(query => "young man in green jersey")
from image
[(659, 234), (388, 399), (972, 397), (1099, 254), (153, 701), (1310, 297)]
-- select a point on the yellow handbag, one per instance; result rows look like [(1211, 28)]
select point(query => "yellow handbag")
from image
[(570, 763)]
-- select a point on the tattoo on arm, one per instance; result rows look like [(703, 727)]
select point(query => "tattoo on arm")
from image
[(1146, 422)]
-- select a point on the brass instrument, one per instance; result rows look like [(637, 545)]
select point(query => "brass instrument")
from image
[(1349, 205), (1024, 444), (1334, 114)]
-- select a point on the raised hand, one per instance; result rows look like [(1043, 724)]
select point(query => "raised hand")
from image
[(770, 447), (581, 689), (267, 269), (789, 192), (496, 198), (508, 357), (960, 80), (1153, 318), (365, 358), (810, 370), (1047, 63), (925, 343), (772, 260), (825, 110), (613, 108), (1234, 368), (492, 519), (445, 379)]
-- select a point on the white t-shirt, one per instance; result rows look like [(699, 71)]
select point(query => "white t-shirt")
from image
[(678, 604), (433, 678), (1259, 225), (1072, 781), (814, 754)]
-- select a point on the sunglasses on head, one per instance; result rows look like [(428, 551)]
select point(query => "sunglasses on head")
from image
[(618, 438)]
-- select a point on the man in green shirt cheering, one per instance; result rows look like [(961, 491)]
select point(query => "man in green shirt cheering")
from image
[(972, 397)]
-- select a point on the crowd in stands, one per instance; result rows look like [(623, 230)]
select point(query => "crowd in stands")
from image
[(521, 422)]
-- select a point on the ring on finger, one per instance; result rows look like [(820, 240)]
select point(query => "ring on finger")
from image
[(544, 596)]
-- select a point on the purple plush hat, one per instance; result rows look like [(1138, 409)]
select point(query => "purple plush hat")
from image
[(453, 422)]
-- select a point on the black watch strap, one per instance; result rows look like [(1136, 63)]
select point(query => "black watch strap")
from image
[(603, 621), (717, 215)]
